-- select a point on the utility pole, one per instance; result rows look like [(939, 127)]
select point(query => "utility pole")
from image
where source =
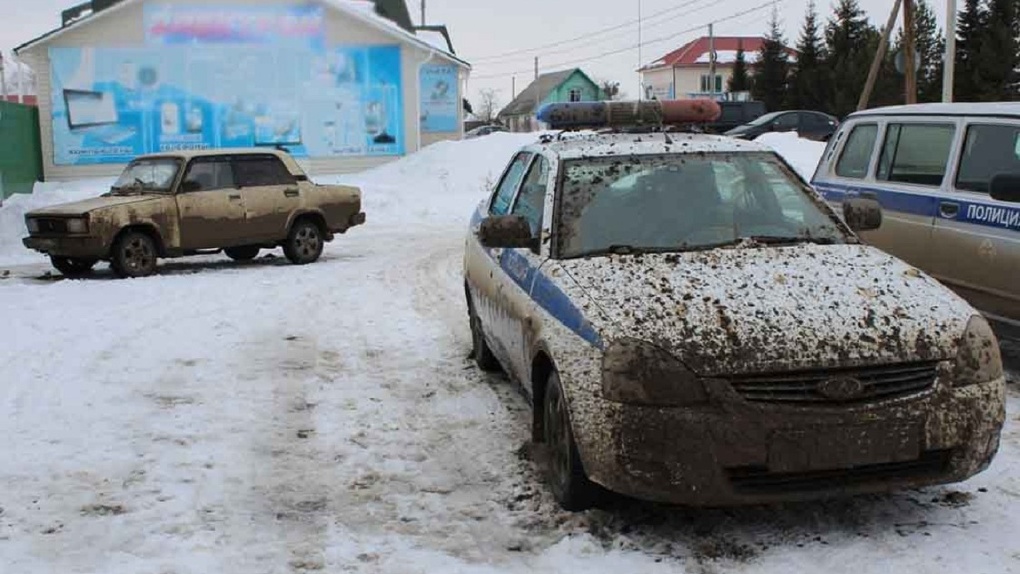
[(513, 87), (909, 49), (949, 59), (711, 59), (3, 78), (422, 12), (879, 56), (538, 96), (640, 82)]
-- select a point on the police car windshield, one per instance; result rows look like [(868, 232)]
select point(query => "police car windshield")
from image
[(686, 202), (151, 174)]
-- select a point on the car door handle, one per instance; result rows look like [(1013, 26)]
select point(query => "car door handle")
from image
[(948, 209), (291, 192), (236, 196)]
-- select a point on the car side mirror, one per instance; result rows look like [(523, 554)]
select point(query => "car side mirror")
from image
[(862, 214), (1005, 187), (506, 231)]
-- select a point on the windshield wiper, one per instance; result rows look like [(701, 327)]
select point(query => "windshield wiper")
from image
[(790, 240)]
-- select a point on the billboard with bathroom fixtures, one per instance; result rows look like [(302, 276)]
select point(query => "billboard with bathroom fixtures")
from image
[(226, 89)]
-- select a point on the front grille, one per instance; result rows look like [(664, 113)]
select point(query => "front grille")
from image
[(51, 225), (876, 383), (758, 480)]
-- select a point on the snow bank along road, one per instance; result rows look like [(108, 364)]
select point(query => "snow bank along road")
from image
[(266, 418)]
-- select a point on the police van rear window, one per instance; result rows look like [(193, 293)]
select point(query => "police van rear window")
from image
[(988, 151)]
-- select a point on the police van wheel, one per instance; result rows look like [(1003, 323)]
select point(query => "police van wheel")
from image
[(569, 483), (480, 350)]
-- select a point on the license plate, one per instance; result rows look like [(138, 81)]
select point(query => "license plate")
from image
[(843, 447)]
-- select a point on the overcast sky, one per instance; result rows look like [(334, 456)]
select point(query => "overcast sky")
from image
[(484, 31)]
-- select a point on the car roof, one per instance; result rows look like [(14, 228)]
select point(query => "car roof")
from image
[(586, 144), (996, 109), (285, 157)]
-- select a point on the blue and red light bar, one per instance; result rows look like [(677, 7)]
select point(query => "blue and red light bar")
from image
[(596, 115)]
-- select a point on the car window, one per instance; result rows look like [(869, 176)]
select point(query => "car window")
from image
[(149, 174), (786, 122), (989, 150), (261, 170), (916, 153), (856, 155), (531, 200), (207, 174), (816, 121), (683, 202), (508, 185)]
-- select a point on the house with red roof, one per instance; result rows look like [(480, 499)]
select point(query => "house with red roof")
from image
[(685, 72)]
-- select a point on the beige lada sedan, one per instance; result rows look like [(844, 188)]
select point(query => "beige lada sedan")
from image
[(196, 202)]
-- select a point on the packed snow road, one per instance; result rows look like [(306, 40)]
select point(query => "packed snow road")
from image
[(267, 418)]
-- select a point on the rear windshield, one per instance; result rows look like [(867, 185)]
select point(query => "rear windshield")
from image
[(685, 202)]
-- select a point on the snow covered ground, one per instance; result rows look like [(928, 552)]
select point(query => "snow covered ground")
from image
[(267, 418)]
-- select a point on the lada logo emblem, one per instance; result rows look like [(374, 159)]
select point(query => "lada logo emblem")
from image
[(840, 388)]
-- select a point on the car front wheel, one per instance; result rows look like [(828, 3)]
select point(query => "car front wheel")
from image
[(570, 484), (73, 266), (304, 243), (134, 255), (243, 253)]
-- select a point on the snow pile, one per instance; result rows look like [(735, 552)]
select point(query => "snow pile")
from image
[(440, 184), (802, 154), (14, 208)]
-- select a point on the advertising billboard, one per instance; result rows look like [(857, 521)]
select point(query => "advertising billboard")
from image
[(440, 106), (214, 78)]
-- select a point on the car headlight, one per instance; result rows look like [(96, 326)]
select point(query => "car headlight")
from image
[(978, 359), (32, 224), (78, 225), (636, 372)]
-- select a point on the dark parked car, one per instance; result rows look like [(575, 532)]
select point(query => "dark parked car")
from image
[(808, 124), (484, 131)]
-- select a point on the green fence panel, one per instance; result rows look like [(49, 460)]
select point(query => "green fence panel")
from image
[(20, 149)]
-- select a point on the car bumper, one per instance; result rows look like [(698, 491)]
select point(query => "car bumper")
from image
[(733, 455), (357, 219), (85, 247)]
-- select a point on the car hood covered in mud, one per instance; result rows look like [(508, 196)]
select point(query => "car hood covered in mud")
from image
[(86, 205), (773, 308)]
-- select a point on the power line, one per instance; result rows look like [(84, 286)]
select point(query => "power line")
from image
[(602, 38), (583, 36), (634, 47)]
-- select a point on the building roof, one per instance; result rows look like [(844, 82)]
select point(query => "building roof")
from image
[(696, 53), (370, 12), (436, 35), (527, 101)]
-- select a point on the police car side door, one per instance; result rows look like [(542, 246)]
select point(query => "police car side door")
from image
[(490, 289), (522, 265), (977, 238)]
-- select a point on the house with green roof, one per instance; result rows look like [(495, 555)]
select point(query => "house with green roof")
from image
[(571, 85)]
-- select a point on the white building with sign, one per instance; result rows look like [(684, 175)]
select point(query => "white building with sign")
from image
[(332, 81)]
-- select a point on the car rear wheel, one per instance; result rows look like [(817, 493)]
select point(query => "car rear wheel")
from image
[(480, 350), (304, 243), (73, 266), (570, 484), (243, 253), (134, 255)]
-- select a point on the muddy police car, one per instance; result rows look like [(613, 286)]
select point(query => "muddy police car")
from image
[(694, 324), (193, 202)]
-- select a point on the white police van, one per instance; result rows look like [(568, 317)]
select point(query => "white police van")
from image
[(948, 179)]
